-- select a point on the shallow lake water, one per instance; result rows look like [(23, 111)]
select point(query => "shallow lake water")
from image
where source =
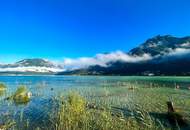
[(120, 93)]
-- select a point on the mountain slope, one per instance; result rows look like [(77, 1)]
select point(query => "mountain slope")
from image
[(161, 45), (35, 62), (30, 66), (169, 56)]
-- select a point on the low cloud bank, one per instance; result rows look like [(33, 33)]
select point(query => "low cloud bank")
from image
[(178, 52), (175, 54), (99, 59), (102, 60), (30, 69)]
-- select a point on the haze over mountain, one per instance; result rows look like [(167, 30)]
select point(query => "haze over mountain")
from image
[(160, 55)]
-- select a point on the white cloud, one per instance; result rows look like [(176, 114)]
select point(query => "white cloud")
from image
[(30, 69), (99, 59), (178, 51), (102, 60), (187, 44)]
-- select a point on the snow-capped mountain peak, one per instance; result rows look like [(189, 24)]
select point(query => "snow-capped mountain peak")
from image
[(32, 65)]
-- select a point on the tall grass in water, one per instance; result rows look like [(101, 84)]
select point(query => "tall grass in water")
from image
[(74, 114), (20, 96), (2, 87), (94, 109)]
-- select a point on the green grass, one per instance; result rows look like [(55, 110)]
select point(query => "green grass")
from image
[(2, 87), (20, 95), (73, 114)]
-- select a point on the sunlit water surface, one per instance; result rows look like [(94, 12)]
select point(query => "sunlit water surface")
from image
[(147, 93)]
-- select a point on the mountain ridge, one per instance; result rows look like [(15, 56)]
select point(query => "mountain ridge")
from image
[(169, 56), (30, 66), (161, 45), (159, 55)]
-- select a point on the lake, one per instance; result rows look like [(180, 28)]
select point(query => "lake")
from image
[(125, 94)]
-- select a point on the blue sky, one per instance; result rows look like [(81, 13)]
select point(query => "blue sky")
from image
[(56, 29)]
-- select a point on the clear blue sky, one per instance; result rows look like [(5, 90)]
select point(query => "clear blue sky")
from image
[(73, 28)]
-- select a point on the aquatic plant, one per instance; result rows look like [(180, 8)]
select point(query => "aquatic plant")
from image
[(7, 125), (22, 95), (111, 107), (73, 113), (2, 87), (70, 111)]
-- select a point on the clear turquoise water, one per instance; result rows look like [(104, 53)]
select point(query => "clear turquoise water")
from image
[(110, 90)]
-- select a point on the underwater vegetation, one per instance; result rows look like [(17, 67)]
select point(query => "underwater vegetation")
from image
[(74, 113), (2, 87), (115, 106), (21, 95)]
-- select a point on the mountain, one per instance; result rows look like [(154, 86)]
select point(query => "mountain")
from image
[(160, 55), (161, 45), (35, 62), (30, 66), (168, 56)]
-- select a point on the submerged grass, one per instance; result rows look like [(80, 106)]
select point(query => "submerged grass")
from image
[(2, 87), (74, 114), (121, 106), (21, 95)]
